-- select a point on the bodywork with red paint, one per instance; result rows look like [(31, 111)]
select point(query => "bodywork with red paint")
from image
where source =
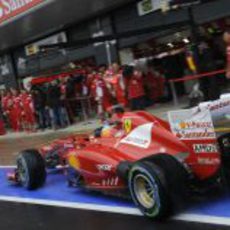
[(138, 135)]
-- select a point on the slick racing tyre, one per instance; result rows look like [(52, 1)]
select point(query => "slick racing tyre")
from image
[(224, 145), (148, 190), (31, 169)]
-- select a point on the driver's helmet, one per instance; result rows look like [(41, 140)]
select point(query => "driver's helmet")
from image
[(108, 131)]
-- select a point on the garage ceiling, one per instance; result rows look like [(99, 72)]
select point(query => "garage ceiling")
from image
[(52, 17)]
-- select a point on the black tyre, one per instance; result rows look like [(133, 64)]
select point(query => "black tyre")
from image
[(224, 145), (31, 169), (147, 185), (177, 179)]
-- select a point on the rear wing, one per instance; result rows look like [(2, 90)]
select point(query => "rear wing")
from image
[(192, 125), (220, 112), (209, 117)]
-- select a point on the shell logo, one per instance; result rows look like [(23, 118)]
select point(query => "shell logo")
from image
[(182, 125)]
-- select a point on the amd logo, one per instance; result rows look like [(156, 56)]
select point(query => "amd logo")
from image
[(205, 148)]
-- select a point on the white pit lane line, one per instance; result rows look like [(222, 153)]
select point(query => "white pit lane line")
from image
[(8, 166), (204, 219)]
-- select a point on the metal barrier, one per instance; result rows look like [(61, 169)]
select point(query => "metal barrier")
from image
[(189, 78)]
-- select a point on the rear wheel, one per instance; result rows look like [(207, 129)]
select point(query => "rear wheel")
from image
[(148, 189), (224, 144), (31, 169)]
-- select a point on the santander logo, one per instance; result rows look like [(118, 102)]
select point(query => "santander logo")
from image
[(11, 8)]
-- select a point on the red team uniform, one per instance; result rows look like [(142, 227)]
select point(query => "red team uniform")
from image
[(28, 110), (228, 62), (101, 94), (15, 113), (155, 84), (118, 86), (135, 88), (136, 92), (2, 128)]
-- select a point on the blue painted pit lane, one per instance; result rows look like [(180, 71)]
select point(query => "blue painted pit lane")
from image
[(56, 190)]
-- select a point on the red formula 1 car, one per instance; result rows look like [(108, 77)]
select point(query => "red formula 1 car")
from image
[(137, 155)]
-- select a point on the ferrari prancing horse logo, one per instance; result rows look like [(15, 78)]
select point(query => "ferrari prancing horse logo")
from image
[(128, 125)]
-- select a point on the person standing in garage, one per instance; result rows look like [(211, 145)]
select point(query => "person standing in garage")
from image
[(16, 111), (2, 126), (54, 104), (28, 111), (209, 85), (135, 90), (118, 85)]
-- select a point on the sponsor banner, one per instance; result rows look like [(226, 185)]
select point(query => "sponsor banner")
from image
[(187, 125), (12, 8)]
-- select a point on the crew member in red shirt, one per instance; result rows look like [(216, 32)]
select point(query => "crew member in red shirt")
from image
[(117, 84), (136, 91), (101, 94), (2, 126), (15, 112), (151, 86), (28, 111)]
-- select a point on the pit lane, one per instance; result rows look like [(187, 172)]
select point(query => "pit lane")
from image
[(56, 206), (93, 210)]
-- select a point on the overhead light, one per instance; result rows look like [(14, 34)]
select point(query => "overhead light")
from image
[(186, 40), (170, 45)]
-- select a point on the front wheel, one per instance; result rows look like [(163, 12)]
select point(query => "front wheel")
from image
[(31, 169), (148, 189)]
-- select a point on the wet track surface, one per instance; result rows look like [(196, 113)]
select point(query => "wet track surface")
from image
[(36, 217), (10, 147), (13, 143)]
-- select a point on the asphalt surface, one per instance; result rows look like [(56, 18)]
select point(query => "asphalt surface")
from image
[(13, 143), (36, 217)]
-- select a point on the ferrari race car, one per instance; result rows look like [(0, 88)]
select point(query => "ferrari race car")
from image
[(139, 156)]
